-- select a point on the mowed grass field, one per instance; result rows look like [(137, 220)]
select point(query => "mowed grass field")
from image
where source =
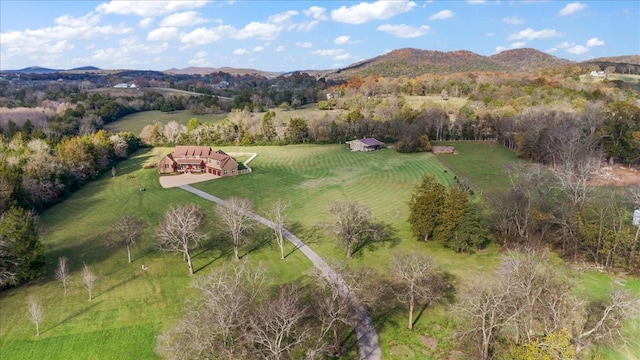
[(134, 123), (132, 306)]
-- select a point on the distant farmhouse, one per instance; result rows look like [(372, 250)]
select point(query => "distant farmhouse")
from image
[(598, 73), (198, 159), (365, 144), (125, 86)]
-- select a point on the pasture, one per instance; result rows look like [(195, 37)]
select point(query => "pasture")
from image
[(132, 306), (135, 122)]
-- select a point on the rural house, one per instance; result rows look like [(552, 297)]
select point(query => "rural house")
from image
[(198, 159), (365, 144)]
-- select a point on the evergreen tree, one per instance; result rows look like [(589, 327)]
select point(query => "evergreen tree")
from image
[(425, 206), (18, 230)]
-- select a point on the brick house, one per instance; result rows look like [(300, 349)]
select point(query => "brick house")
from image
[(198, 159)]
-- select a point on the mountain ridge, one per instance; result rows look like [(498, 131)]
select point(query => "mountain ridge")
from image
[(403, 62)]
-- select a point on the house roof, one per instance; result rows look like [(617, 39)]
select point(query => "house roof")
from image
[(196, 154), (370, 142)]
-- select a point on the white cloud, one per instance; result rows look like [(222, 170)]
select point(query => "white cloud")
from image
[(595, 42), (572, 8), (564, 45), (145, 23), (163, 34), (530, 34), (147, 8), (258, 48), (70, 21), (182, 19), (316, 12), (476, 1), (254, 29), (578, 49), (364, 12), (203, 36), (279, 49), (341, 40), (305, 45), (282, 17), (514, 20), (131, 45), (441, 15), (515, 45), (308, 26), (56, 39), (404, 31), (200, 59), (241, 52), (335, 54)]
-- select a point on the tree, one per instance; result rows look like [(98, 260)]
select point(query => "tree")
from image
[(279, 219), (235, 216), (353, 225), (418, 282), (215, 325), (8, 264), (23, 252), (128, 230), (425, 206), (180, 231), (36, 313), (62, 272), (88, 278), (278, 326)]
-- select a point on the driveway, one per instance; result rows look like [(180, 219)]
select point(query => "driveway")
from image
[(169, 181), (368, 346)]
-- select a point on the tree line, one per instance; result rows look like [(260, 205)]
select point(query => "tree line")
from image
[(35, 174)]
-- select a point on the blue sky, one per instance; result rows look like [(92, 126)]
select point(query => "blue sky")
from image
[(301, 35)]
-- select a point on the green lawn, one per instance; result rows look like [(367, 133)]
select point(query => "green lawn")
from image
[(132, 306), (135, 122), (482, 163)]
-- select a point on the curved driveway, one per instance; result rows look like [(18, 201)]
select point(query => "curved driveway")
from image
[(368, 347)]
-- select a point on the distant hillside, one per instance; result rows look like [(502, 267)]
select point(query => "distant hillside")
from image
[(627, 59), (42, 70), (527, 59), (208, 70), (412, 62)]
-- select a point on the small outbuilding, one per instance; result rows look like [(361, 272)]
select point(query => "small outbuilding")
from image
[(365, 144)]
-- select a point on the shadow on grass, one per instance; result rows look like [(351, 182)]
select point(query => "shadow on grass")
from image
[(74, 315), (130, 278), (262, 237), (382, 235)]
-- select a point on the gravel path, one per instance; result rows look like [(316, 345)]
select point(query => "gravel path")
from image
[(368, 347)]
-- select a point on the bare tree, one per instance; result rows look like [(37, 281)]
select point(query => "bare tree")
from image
[(128, 230), (353, 225), (88, 279), (484, 307), (62, 272), (36, 313), (280, 220), (180, 231), (235, 216), (418, 280), (8, 263), (278, 326), (604, 321), (215, 326)]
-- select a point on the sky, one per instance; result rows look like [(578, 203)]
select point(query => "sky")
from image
[(301, 35)]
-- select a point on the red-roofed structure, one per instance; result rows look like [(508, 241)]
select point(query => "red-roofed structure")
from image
[(198, 159)]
